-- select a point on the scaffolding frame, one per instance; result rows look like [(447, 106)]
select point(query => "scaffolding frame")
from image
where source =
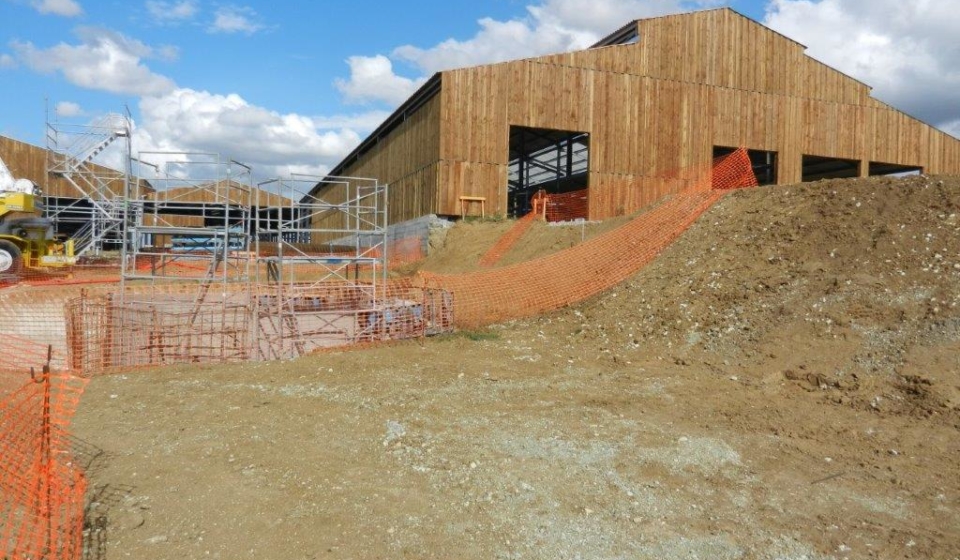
[(216, 269), (185, 265), (94, 217), (321, 265), (197, 213)]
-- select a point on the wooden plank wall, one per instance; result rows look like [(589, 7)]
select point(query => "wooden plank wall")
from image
[(656, 108), (220, 192), (27, 161), (408, 161)]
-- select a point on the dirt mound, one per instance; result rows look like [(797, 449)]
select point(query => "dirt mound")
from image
[(466, 242), (833, 283)]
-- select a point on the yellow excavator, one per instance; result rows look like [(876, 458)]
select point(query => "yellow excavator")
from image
[(27, 240)]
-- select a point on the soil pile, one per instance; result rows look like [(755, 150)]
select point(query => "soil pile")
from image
[(837, 283)]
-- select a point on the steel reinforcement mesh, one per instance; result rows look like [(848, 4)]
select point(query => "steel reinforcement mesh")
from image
[(577, 273), (273, 321)]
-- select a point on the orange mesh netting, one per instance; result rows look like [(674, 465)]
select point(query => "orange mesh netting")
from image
[(577, 273), (565, 207), (508, 240), (41, 488), (550, 207), (18, 353), (405, 251)]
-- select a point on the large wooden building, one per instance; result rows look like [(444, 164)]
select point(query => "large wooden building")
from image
[(637, 116)]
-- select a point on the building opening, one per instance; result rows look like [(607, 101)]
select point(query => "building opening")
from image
[(555, 161), (817, 167), (879, 168), (764, 163)]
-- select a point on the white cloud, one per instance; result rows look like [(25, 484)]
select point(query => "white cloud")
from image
[(366, 121), (7, 61), (171, 12), (185, 120), (551, 26), (167, 53), (372, 79), (235, 19), (104, 60), (548, 27), (68, 109), (66, 8), (908, 51)]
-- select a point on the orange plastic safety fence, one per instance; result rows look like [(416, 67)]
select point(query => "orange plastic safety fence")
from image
[(405, 251), (18, 353), (733, 171), (508, 240), (184, 322), (577, 273), (550, 207), (41, 487), (565, 207)]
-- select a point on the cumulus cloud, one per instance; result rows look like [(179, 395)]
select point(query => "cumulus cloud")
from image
[(188, 120), (365, 121), (7, 61), (235, 19), (68, 109), (65, 8), (372, 79), (548, 27), (907, 51), (179, 119), (171, 13), (103, 60)]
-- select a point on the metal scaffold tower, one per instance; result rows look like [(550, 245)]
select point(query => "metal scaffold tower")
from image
[(93, 213), (185, 281), (321, 266)]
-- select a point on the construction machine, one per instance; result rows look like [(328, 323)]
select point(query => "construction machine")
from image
[(27, 240)]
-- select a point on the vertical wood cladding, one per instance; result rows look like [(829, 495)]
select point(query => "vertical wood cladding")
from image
[(27, 161), (654, 110), (408, 160)]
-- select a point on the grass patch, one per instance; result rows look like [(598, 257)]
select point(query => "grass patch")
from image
[(477, 335)]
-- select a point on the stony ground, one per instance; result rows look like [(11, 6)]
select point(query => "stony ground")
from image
[(783, 382)]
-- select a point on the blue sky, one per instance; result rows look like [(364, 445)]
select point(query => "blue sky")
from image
[(293, 86)]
